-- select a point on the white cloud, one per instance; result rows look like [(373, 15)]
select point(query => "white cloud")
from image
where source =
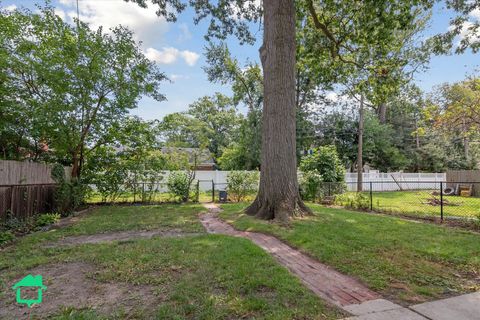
[(147, 26), (184, 32), (174, 77), (169, 55), (60, 13), (467, 32), (190, 57), (166, 56), (475, 14), (11, 7)]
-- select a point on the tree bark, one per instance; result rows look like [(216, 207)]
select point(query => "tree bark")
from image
[(360, 148), (382, 113), (278, 196), (75, 166), (466, 144)]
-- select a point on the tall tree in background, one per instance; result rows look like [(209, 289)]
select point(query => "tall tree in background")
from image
[(247, 87), (220, 121), (210, 122)]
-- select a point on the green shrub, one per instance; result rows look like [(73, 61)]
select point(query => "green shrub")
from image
[(6, 236), (326, 162), (310, 184), (178, 184), (353, 200), (17, 225), (241, 183), (47, 219), (69, 195)]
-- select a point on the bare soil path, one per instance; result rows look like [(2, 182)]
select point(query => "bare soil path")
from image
[(119, 236)]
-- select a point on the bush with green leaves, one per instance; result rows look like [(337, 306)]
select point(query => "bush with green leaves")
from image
[(352, 200), (178, 184), (310, 185), (69, 195), (47, 219), (322, 174), (18, 225), (326, 162), (240, 184), (6, 236)]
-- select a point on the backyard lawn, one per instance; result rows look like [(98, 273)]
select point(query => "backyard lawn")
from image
[(190, 276), (152, 197), (406, 261), (422, 203)]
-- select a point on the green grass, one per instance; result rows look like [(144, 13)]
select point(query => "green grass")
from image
[(199, 277), (156, 197), (123, 218), (416, 203), (405, 260)]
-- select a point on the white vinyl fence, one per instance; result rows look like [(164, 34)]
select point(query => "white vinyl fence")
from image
[(396, 181)]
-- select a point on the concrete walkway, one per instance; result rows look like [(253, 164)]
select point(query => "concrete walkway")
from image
[(344, 291)]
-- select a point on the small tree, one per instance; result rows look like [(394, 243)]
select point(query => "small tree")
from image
[(326, 162), (178, 184), (310, 184), (242, 183), (323, 173), (69, 194)]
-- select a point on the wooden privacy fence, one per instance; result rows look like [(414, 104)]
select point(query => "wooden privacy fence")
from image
[(26, 189), (24, 201), (466, 177), (25, 172)]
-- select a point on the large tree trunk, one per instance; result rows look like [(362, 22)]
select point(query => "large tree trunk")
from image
[(382, 113), (278, 196), (75, 166), (360, 148)]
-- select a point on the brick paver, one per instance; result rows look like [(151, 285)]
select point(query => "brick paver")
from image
[(324, 281)]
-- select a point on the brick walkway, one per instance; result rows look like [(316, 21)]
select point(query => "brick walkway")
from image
[(324, 281)]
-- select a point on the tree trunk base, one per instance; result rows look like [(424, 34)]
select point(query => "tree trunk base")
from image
[(281, 211)]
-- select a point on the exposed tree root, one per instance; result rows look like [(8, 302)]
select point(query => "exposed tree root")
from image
[(281, 211)]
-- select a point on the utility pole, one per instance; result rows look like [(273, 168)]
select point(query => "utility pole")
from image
[(360, 148)]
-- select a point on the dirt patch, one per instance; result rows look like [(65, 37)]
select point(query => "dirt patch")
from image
[(68, 221), (119, 236), (71, 285)]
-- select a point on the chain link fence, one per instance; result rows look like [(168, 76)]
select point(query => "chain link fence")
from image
[(439, 200), (436, 199)]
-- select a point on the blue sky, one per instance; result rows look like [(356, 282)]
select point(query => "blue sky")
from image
[(178, 49)]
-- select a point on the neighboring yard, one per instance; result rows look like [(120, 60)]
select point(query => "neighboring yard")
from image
[(420, 203), (197, 276), (406, 261)]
